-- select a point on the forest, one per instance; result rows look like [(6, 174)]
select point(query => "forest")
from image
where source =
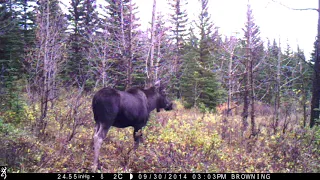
[(241, 104)]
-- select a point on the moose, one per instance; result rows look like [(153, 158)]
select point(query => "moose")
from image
[(122, 109)]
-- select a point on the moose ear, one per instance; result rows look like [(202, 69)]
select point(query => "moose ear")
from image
[(157, 85), (160, 87), (163, 91)]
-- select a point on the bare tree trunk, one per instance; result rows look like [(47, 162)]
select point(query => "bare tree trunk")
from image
[(195, 94), (98, 57), (130, 54), (45, 88), (44, 61), (230, 84), (104, 65), (253, 128), (124, 52), (246, 102), (158, 59), (304, 99), (230, 50), (122, 26), (150, 77), (76, 102), (316, 79), (277, 98)]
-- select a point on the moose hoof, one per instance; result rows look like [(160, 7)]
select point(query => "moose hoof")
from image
[(96, 167), (141, 139), (136, 145)]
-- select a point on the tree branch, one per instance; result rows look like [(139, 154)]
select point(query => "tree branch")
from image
[(296, 9)]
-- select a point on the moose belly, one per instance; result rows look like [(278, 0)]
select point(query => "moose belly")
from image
[(125, 120)]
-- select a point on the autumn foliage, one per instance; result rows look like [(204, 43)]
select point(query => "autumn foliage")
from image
[(182, 140)]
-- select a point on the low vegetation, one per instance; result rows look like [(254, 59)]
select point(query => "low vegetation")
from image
[(183, 140)]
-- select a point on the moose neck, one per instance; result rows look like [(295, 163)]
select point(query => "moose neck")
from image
[(152, 97), (152, 103)]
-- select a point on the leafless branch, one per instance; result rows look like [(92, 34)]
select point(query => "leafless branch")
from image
[(296, 9)]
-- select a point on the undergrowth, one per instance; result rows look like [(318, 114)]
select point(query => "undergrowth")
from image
[(176, 141)]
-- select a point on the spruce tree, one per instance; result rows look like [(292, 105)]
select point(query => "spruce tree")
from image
[(179, 21), (210, 88), (253, 46), (125, 46), (200, 86), (190, 75), (83, 18), (303, 84), (267, 77), (16, 36)]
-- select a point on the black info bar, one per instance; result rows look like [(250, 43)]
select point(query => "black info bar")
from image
[(157, 176)]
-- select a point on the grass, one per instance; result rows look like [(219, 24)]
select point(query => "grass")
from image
[(182, 140)]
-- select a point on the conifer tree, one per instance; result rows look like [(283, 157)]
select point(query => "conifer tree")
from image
[(315, 100), (190, 75), (200, 86), (83, 18), (303, 84), (252, 46), (16, 36), (122, 24), (179, 21)]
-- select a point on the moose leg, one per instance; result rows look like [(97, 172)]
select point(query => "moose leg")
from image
[(137, 136), (96, 128), (100, 134)]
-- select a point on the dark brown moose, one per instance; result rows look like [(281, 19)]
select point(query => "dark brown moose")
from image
[(122, 109)]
